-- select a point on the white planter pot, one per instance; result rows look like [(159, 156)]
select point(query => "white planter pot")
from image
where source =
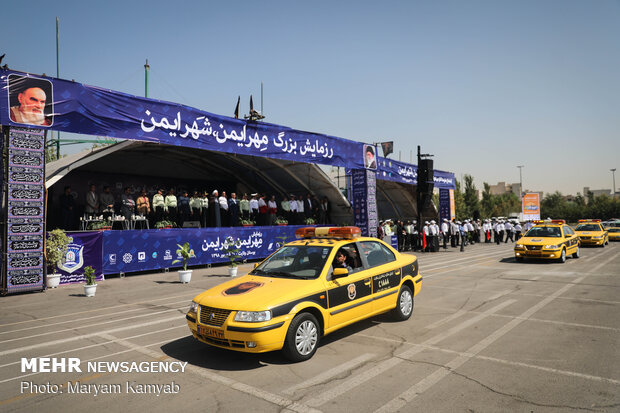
[(232, 271), (185, 276), (89, 290), (53, 280)]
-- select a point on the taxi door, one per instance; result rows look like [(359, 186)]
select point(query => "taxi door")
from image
[(349, 298), (572, 240), (386, 272)]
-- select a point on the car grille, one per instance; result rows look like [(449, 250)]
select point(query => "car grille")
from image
[(582, 237), (213, 316), (533, 247), (224, 342)]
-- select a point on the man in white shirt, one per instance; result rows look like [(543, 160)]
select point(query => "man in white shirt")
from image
[(300, 210), (223, 201), (293, 206), (254, 208), (508, 228)]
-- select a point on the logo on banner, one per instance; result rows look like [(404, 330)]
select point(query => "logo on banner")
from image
[(167, 255), (127, 258), (112, 258), (141, 256), (74, 258)]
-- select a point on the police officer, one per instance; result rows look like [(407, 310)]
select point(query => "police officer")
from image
[(518, 230), (445, 231), (508, 229)]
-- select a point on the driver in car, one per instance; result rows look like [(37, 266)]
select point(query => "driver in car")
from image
[(340, 260)]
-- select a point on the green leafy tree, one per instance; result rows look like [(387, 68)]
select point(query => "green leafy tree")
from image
[(470, 197), (460, 207)]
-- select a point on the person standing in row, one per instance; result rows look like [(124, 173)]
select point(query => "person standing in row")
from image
[(92, 202), (183, 208), (159, 205), (509, 235), (463, 235), (518, 230), (499, 232), (272, 208), (224, 215), (233, 210), (293, 206), (106, 202), (300, 210), (285, 207), (127, 204), (244, 207), (195, 207), (445, 233), (254, 208), (171, 205), (143, 205), (204, 210)]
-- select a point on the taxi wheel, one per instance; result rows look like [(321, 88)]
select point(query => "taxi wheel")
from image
[(404, 304), (302, 338), (562, 258), (576, 253)]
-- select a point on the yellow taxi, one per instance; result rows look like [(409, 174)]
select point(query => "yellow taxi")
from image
[(548, 240), (613, 229), (591, 232), (328, 278)]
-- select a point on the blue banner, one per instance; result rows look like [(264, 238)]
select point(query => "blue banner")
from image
[(84, 251), (391, 170), (444, 204), (363, 190), (74, 107), (143, 250)]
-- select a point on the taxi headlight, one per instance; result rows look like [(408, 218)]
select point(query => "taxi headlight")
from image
[(253, 316), (519, 246), (193, 307), (551, 247)]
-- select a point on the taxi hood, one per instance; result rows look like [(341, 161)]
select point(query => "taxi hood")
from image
[(256, 293)]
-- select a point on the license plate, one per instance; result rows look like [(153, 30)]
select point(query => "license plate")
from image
[(210, 332), (534, 253)]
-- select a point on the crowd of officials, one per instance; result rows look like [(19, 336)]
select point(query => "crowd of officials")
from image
[(430, 236), (198, 209)]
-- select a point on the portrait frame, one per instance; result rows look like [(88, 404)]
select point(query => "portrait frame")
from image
[(18, 83)]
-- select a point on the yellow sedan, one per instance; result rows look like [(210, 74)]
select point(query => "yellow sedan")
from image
[(327, 279)]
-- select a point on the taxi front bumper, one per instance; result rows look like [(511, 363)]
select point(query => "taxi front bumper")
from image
[(541, 253), (614, 237), (592, 241), (245, 337)]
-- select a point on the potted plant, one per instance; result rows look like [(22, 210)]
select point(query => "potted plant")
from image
[(247, 223), (281, 221), (185, 252), (90, 288), (309, 221), (55, 251), (231, 247), (164, 224)]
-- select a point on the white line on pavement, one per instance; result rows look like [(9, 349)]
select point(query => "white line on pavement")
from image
[(252, 391), (23, 349), (385, 365), (327, 375), (407, 396)]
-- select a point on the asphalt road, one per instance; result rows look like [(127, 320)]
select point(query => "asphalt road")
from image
[(487, 335)]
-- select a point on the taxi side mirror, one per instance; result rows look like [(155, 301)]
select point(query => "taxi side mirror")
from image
[(256, 264), (340, 273)]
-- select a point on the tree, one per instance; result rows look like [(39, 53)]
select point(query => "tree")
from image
[(460, 207), (471, 197)]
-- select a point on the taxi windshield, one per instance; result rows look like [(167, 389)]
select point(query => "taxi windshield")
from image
[(588, 227), (294, 261), (551, 232)]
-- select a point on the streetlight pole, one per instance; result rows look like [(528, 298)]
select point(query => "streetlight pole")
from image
[(520, 182), (613, 174)]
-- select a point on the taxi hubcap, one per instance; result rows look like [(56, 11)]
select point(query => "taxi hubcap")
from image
[(306, 337), (406, 302)]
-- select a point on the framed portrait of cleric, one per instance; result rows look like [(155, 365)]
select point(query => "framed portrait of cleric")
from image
[(370, 159), (31, 100)]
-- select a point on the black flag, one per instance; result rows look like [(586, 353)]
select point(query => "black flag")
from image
[(388, 148), (237, 108)]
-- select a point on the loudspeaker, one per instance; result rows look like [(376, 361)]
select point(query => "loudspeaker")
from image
[(425, 176), (191, 224)]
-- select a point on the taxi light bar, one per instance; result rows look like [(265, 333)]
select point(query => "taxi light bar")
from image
[(329, 232), (589, 220), (552, 221)]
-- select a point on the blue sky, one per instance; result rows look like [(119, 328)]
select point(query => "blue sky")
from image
[(483, 85)]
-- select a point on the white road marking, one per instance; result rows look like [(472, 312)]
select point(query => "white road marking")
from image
[(77, 320), (327, 375), (252, 391), (502, 361), (84, 336), (446, 320), (407, 396), (366, 375), (92, 325), (91, 346)]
